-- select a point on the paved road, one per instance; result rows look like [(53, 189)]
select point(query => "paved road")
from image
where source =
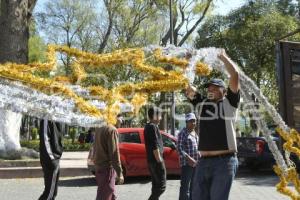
[(247, 186)]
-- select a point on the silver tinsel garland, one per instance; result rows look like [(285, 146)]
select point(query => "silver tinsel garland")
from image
[(20, 98)]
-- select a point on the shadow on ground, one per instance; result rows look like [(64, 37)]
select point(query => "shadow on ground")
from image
[(259, 178), (91, 181), (246, 177), (78, 182)]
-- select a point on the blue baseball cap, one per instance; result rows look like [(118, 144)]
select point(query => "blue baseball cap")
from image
[(190, 116), (217, 82)]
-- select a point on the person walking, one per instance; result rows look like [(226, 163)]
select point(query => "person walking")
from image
[(154, 151), (51, 150), (106, 157)]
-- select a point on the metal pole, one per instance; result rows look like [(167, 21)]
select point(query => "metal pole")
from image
[(173, 93), (171, 21)]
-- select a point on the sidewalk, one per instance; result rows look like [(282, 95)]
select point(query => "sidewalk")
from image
[(72, 164)]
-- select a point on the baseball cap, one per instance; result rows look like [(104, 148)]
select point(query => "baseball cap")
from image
[(190, 116), (217, 82)]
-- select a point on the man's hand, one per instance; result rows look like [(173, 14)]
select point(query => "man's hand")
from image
[(157, 156), (120, 180), (223, 56), (232, 70), (191, 161), (190, 91)]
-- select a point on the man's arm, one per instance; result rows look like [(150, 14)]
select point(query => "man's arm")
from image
[(180, 144), (157, 155), (181, 151), (193, 96), (232, 70), (114, 154), (154, 141)]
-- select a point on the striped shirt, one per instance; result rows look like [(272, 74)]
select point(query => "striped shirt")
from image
[(187, 144)]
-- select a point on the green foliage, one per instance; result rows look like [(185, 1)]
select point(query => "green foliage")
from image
[(248, 35), (31, 144), (36, 45), (73, 133), (67, 144), (34, 133), (288, 7), (76, 146), (37, 49)]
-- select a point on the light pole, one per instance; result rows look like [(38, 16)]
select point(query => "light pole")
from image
[(173, 93)]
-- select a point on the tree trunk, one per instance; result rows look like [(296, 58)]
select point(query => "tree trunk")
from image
[(14, 35)]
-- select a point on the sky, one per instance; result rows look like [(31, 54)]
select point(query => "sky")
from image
[(225, 6)]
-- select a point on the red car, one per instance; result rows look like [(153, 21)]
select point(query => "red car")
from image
[(133, 153)]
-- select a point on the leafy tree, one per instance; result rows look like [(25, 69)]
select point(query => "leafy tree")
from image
[(188, 14), (248, 34), (36, 45), (288, 7), (14, 35)]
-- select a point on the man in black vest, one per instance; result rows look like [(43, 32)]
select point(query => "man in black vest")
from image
[(217, 166)]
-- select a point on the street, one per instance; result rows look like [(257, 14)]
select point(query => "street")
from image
[(247, 185)]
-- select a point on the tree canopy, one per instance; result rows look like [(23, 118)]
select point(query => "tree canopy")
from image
[(249, 35)]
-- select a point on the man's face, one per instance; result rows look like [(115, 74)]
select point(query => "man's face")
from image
[(119, 122), (191, 124), (215, 92), (157, 118)]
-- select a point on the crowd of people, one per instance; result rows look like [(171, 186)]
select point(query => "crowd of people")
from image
[(207, 153)]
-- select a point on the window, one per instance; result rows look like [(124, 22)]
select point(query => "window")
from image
[(129, 138), (168, 142)]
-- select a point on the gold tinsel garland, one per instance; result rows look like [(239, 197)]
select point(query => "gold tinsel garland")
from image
[(292, 144), (160, 79), (201, 69)]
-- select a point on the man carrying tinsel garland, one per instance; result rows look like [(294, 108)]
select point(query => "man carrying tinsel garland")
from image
[(218, 164), (51, 150)]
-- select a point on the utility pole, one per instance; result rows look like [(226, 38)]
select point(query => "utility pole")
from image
[(173, 93)]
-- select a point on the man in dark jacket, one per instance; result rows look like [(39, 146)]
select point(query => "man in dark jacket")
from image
[(51, 150)]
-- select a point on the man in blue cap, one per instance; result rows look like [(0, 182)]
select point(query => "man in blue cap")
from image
[(217, 166), (187, 147)]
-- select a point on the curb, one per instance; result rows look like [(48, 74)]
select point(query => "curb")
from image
[(37, 172), (20, 163), (72, 164)]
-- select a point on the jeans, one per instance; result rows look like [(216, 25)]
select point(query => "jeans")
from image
[(159, 179), (213, 178), (187, 173), (105, 179)]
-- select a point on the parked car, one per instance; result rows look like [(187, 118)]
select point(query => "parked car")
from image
[(133, 153), (254, 152)]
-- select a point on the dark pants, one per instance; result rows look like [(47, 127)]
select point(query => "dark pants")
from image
[(186, 178), (159, 179), (106, 179), (51, 176), (213, 178)]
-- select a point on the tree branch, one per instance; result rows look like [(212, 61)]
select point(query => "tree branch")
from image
[(109, 7), (31, 5), (166, 38), (189, 32), (176, 31)]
